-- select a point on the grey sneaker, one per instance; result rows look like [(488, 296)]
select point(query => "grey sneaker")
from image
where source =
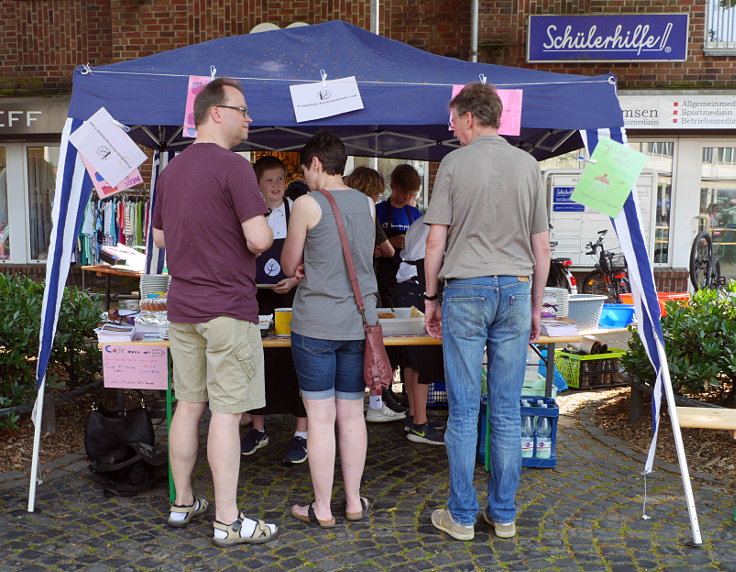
[(383, 415), (425, 433), (503, 530), (253, 441), (442, 519), (230, 534)]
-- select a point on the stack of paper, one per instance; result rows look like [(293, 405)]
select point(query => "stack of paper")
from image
[(112, 333), (558, 328)]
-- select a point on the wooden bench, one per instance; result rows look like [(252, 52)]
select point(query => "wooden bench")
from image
[(708, 418)]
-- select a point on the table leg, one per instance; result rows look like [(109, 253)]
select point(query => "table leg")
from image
[(550, 370), (107, 292)]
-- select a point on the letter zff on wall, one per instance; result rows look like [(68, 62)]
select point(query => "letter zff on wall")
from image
[(629, 37)]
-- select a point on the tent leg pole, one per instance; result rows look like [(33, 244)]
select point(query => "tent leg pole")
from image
[(38, 411), (682, 460)]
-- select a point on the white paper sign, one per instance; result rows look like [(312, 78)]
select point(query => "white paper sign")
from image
[(325, 99), (107, 147)]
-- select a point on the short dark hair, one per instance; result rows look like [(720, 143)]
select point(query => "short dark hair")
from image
[(268, 162), (211, 95), (406, 178), (329, 149), (366, 180), (482, 101)]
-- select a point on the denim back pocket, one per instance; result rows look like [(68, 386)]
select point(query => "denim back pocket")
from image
[(520, 313), (464, 316)]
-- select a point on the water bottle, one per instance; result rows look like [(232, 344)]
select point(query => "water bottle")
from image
[(527, 434), (544, 437)]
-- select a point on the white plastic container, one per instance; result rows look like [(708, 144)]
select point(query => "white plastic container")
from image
[(402, 323), (585, 310)]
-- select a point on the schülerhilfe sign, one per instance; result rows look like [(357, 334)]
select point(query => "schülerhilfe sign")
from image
[(624, 37)]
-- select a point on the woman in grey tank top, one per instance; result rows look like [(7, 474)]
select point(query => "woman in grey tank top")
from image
[(327, 339)]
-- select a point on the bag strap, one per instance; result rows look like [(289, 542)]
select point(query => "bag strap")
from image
[(346, 252)]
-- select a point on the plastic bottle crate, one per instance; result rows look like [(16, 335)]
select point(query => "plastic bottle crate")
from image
[(552, 411), (586, 371)]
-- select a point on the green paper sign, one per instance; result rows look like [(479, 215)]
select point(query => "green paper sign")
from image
[(609, 177)]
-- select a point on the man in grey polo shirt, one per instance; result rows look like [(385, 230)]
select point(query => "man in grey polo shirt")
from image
[(489, 236)]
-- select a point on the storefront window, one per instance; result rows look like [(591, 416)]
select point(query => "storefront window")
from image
[(661, 159), (42, 165), (718, 203), (4, 219)]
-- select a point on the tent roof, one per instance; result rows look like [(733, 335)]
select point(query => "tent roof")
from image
[(405, 92)]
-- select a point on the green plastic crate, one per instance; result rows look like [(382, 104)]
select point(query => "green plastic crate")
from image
[(587, 371)]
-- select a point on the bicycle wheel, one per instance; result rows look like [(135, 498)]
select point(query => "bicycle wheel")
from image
[(557, 277), (594, 283), (701, 256)]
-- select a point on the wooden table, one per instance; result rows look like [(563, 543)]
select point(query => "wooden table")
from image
[(109, 271)]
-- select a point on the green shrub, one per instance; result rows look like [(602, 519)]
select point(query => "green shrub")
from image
[(699, 342), (73, 356)]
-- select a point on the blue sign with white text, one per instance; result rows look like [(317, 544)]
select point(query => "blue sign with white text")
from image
[(626, 37), (562, 201)]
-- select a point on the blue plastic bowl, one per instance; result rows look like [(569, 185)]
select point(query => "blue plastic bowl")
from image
[(616, 315)]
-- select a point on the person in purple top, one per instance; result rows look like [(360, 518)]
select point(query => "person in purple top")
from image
[(210, 217)]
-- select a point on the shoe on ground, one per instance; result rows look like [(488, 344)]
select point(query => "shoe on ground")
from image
[(181, 515), (383, 415), (425, 433), (434, 423), (442, 519), (230, 534), (392, 402), (296, 451), (253, 440), (507, 530)]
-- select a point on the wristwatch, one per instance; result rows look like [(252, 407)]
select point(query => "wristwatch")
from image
[(430, 298)]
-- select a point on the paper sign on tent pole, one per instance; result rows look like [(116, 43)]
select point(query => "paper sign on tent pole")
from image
[(107, 147), (608, 177)]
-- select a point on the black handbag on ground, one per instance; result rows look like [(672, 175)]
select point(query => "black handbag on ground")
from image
[(121, 448)]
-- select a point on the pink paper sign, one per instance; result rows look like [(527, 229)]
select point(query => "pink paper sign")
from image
[(196, 84), (511, 115), (105, 189), (135, 367)]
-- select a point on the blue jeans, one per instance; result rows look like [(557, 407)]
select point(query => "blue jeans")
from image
[(328, 368), (493, 313)]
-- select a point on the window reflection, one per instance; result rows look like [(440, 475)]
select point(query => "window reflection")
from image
[(4, 219), (660, 158), (42, 164), (718, 204)]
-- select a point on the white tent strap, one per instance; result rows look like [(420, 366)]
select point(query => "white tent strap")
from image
[(517, 85)]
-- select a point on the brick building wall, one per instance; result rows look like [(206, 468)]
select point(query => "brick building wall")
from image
[(503, 36)]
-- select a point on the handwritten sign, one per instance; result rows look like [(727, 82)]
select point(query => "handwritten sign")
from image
[(511, 114), (135, 367), (609, 177)]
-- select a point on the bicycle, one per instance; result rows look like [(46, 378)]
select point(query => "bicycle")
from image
[(559, 273), (611, 276), (705, 267)]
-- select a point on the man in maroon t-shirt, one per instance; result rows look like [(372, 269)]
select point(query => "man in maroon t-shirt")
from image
[(210, 217)]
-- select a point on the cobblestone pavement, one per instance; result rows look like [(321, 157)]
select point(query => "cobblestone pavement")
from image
[(583, 515)]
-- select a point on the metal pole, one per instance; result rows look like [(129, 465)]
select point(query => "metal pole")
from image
[(474, 31), (37, 416), (375, 6)]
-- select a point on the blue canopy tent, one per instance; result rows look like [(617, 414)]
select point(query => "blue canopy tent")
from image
[(405, 92)]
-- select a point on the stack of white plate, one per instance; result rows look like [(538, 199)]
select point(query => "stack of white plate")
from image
[(154, 285)]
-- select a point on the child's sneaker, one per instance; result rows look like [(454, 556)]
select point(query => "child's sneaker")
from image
[(253, 441), (230, 534), (296, 452), (180, 515), (425, 433)]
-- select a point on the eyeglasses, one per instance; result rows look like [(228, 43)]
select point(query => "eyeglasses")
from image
[(243, 110), (451, 123)]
